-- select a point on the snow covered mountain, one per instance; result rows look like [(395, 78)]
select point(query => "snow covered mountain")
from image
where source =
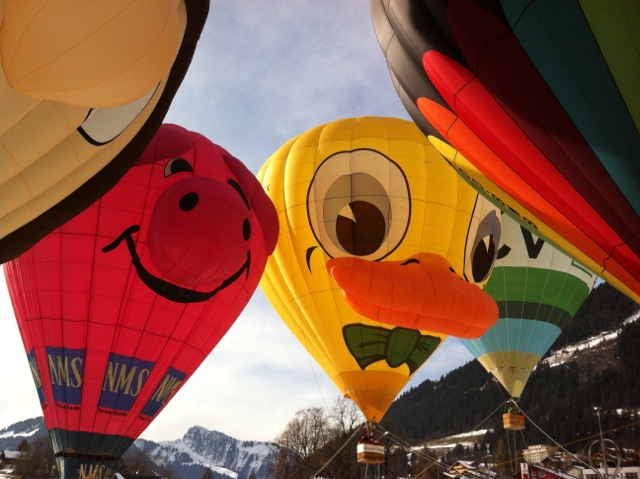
[(200, 449), (190, 456), (588, 348), (227, 457), (13, 435)]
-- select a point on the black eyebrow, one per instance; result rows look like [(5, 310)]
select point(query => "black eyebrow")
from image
[(411, 260), (308, 256), (234, 184)]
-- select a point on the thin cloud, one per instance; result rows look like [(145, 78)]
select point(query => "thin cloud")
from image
[(264, 72)]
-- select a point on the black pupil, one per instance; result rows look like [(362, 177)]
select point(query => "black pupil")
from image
[(179, 165), (188, 201), (482, 260), (365, 234)]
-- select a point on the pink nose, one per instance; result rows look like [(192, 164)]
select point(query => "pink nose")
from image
[(199, 232)]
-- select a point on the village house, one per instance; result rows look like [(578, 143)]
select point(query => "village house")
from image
[(469, 470), (9, 460), (545, 462)]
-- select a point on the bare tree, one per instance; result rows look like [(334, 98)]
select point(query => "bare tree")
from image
[(284, 463), (42, 457), (307, 432), (302, 439), (345, 416), (318, 438)]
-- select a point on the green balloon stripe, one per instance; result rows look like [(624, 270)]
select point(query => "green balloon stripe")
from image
[(540, 287), (91, 445), (534, 311)]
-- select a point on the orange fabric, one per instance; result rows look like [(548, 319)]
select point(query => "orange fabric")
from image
[(422, 292), (558, 229)]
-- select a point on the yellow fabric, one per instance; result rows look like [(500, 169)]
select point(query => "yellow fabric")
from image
[(87, 53), (299, 177), (514, 376), (43, 156)]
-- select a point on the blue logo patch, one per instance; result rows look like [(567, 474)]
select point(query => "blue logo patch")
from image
[(171, 381), (66, 369), (35, 372), (123, 380)]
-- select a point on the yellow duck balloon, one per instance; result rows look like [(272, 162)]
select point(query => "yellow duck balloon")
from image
[(382, 253)]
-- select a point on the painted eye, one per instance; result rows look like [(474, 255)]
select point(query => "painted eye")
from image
[(483, 241), (358, 204), (177, 165), (103, 125)]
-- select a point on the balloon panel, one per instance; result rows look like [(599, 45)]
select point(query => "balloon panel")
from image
[(118, 307), (372, 195), (538, 290), (77, 112), (539, 98)]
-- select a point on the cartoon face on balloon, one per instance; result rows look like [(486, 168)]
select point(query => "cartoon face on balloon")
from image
[(190, 249), (194, 235), (383, 252), (83, 90), (145, 283)]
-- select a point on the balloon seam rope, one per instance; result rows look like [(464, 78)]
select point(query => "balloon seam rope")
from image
[(315, 474), (302, 329), (548, 436), (407, 447), (488, 417)]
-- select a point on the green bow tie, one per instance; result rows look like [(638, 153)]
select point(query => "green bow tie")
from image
[(397, 346)]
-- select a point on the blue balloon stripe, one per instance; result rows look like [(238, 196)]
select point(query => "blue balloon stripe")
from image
[(514, 334)]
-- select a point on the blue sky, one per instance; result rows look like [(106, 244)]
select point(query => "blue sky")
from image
[(264, 72)]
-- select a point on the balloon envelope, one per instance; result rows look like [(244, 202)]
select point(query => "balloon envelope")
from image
[(538, 290), (119, 306), (83, 90), (370, 214), (540, 97)]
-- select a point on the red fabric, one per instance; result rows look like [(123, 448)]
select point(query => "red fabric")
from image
[(505, 70), (196, 233), (457, 133), (479, 111)]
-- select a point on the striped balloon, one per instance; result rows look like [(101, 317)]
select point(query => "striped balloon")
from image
[(538, 290), (541, 97)]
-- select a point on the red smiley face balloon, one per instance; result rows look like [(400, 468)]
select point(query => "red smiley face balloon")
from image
[(118, 307)]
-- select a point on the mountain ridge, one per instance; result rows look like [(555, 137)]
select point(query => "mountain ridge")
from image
[(598, 368), (468, 390), (188, 456)]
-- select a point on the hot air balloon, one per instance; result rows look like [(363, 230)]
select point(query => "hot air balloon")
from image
[(540, 97), (83, 89), (119, 306), (369, 211), (538, 290)]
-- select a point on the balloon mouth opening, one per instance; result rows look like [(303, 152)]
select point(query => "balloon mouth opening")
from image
[(170, 291), (85, 457)]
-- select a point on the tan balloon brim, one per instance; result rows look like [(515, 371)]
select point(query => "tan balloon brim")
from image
[(511, 368)]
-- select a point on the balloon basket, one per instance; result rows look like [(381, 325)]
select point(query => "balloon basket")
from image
[(370, 449), (513, 422), (370, 452)]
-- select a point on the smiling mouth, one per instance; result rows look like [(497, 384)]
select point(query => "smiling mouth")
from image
[(172, 292)]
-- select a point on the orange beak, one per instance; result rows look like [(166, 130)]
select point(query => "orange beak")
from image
[(422, 292)]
